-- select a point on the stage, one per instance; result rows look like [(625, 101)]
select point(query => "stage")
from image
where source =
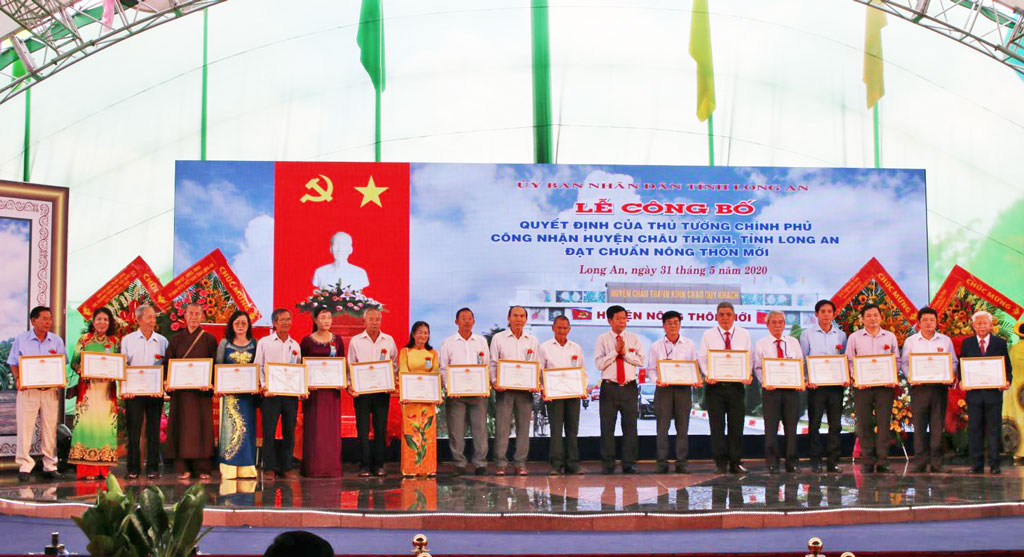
[(647, 501)]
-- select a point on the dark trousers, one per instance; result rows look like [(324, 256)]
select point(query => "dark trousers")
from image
[(278, 458), (828, 402), (725, 403), (985, 410), (372, 409), (874, 446), (564, 452), (619, 399), (136, 409), (784, 405), (928, 409), (672, 403)]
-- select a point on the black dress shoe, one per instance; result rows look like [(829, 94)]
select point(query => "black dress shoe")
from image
[(938, 469), (607, 471), (835, 469), (379, 472), (365, 473), (681, 468), (132, 475), (817, 468), (663, 468), (882, 468), (628, 470), (152, 475), (458, 471), (921, 468), (24, 477), (555, 471), (50, 476), (480, 471), (995, 470), (867, 468), (773, 469), (722, 468), (737, 469), (977, 469), (792, 468)]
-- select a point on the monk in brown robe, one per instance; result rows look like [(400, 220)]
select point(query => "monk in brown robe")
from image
[(190, 428)]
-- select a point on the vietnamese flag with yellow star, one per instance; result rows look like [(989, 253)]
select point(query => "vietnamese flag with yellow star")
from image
[(313, 201)]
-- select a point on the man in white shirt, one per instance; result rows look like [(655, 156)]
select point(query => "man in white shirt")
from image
[(778, 404), (824, 338), (618, 355), (928, 400), (725, 401), (872, 401), (144, 347), (560, 352), (672, 401), (512, 344), (372, 345), (465, 348), (278, 348)]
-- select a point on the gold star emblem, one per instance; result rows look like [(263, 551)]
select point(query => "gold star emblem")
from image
[(371, 193)]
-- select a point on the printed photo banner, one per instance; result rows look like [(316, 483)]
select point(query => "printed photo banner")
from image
[(211, 283), (874, 285), (962, 294), (134, 285)]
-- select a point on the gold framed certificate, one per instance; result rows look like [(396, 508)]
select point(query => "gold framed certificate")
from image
[(326, 373), (727, 366), (517, 375), (103, 365), (41, 372), (286, 379), (828, 371), (783, 373), (189, 373), (420, 387), (564, 382), (143, 381), (988, 372), (923, 369), (677, 372), (875, 370), (236, 379), (468, 380), (372, 377)]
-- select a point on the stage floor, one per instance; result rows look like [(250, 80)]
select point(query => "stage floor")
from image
[(702, 499)]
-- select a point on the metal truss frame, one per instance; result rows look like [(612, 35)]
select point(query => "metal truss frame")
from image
[(993, 27), (56, 34)]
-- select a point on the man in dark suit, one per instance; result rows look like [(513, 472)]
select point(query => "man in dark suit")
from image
[(985, 406)]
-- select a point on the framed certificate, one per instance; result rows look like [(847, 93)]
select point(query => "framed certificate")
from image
[(930, 368), (143, 381), (372, 377), (41, 372), (326, 373), (729, 365), (678, 372), (518, 375), (983, 373), (189, 373), (783, 373), (420, 387), (877, 370), (286, 379), (828, 371), (469, 380), (564, 382), (233, 379), (103, 365)]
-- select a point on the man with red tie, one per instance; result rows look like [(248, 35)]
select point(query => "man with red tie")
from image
[(618, 355), (725, 401), (778, 404), (985, 406)]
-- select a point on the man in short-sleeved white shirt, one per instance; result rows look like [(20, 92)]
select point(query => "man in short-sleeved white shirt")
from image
[(556, 353), (465, 348), (372, 345), (512, 344)]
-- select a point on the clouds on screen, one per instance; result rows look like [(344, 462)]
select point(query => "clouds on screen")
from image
[(254, 264), (14, 252)]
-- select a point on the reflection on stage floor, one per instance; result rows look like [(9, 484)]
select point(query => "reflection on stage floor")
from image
[(702, 491)]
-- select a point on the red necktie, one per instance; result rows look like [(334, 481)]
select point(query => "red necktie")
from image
[(620, 366), (981, 346), (778, 348), (728, 343)]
